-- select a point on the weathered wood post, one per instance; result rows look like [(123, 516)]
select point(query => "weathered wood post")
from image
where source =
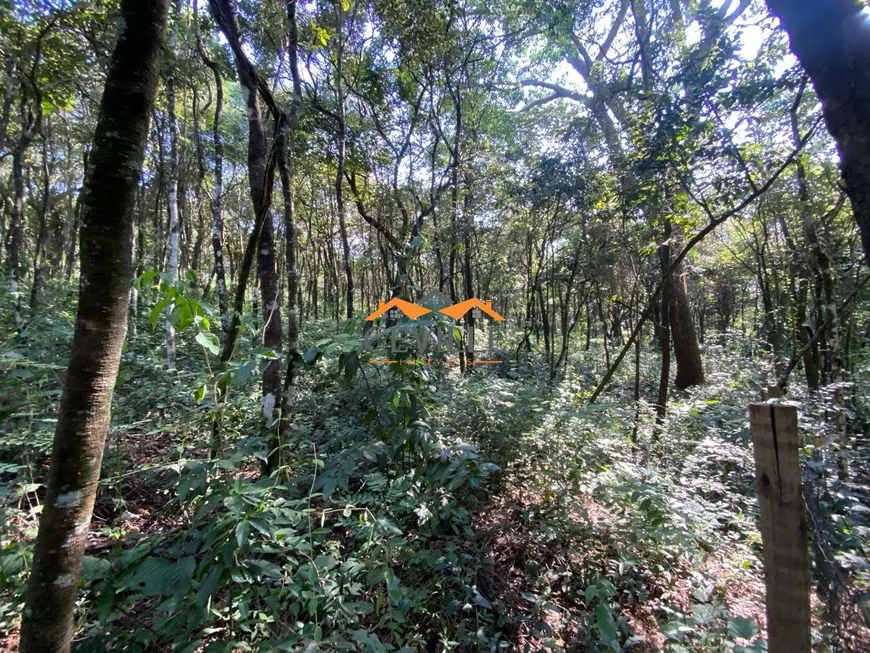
[(783, 526)]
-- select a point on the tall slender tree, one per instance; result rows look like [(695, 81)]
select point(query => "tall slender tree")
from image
[(286, 170), (261, 177), (340, 156), (217, 221), (172, 186), (101, 322)]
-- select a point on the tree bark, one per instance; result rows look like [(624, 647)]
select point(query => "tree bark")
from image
[(41, 235), (217, 222), (101, 322), (803, 330), (832, 41), (261, 173), (341, 139), (200, 181), (16, 228), (260, 182), (467, 271), (286, 170), (664, 330), (31, 125), (687, 351), (172, 186)]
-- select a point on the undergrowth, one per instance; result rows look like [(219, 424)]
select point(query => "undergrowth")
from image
[(415, 508)]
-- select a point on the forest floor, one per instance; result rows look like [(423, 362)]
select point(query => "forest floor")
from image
[(570, 537)]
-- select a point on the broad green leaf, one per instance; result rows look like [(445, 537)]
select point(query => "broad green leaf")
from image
[(606, 624), (742, 627), (209, 341)]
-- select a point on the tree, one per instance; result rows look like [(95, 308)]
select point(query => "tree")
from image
[(340, 156), (101, 322), (217, 221), (832, 41), (261, 178), (172, 189), (290, 230)]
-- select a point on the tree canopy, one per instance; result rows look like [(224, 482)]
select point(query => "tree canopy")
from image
[(645, 213)]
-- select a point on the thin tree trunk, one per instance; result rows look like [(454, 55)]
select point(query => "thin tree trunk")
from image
[(261, 173), (200, 180), (286, 170), (217, 221), (260, 183), (42, 234), (138, 256), (16, 227), (101, 322), (664, 331), (339, 164), (172, 190), (467, 271), (271, 310)]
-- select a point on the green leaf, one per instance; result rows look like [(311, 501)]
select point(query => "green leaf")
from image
[(95, 568), (161, 577), (242, 374), (325, 562), (359, 607), (606, 624), (310, 355), (742, 627), (209, 341), (157, 310), (242, 530), (389, 526), (145, 279), (199, 394), (482, 602)]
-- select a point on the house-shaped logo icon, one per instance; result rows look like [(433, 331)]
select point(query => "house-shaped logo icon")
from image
[(410, 309), (457, 311), (435, 300)]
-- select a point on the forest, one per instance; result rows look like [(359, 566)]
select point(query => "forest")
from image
[(435, 325)]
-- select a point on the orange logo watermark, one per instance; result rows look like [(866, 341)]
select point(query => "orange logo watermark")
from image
[(433, 302)]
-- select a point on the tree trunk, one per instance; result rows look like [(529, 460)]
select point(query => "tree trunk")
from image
[(832, 42), (804, 334), (172, 187), (101, 322), (261, 172), (200, 180), (467, 270), (217, 221), (339, 165), (286, 170), (803, 331), (687, 351), (41, 235), (271, 310), (16, 228), (664, 332)]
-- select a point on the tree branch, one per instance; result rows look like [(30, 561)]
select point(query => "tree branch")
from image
[(697, 238)]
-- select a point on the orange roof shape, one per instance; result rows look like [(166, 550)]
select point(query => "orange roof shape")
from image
[(458, 310), (412, 310)]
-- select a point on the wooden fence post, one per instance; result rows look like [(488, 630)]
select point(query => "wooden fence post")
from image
[(783, 526)]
